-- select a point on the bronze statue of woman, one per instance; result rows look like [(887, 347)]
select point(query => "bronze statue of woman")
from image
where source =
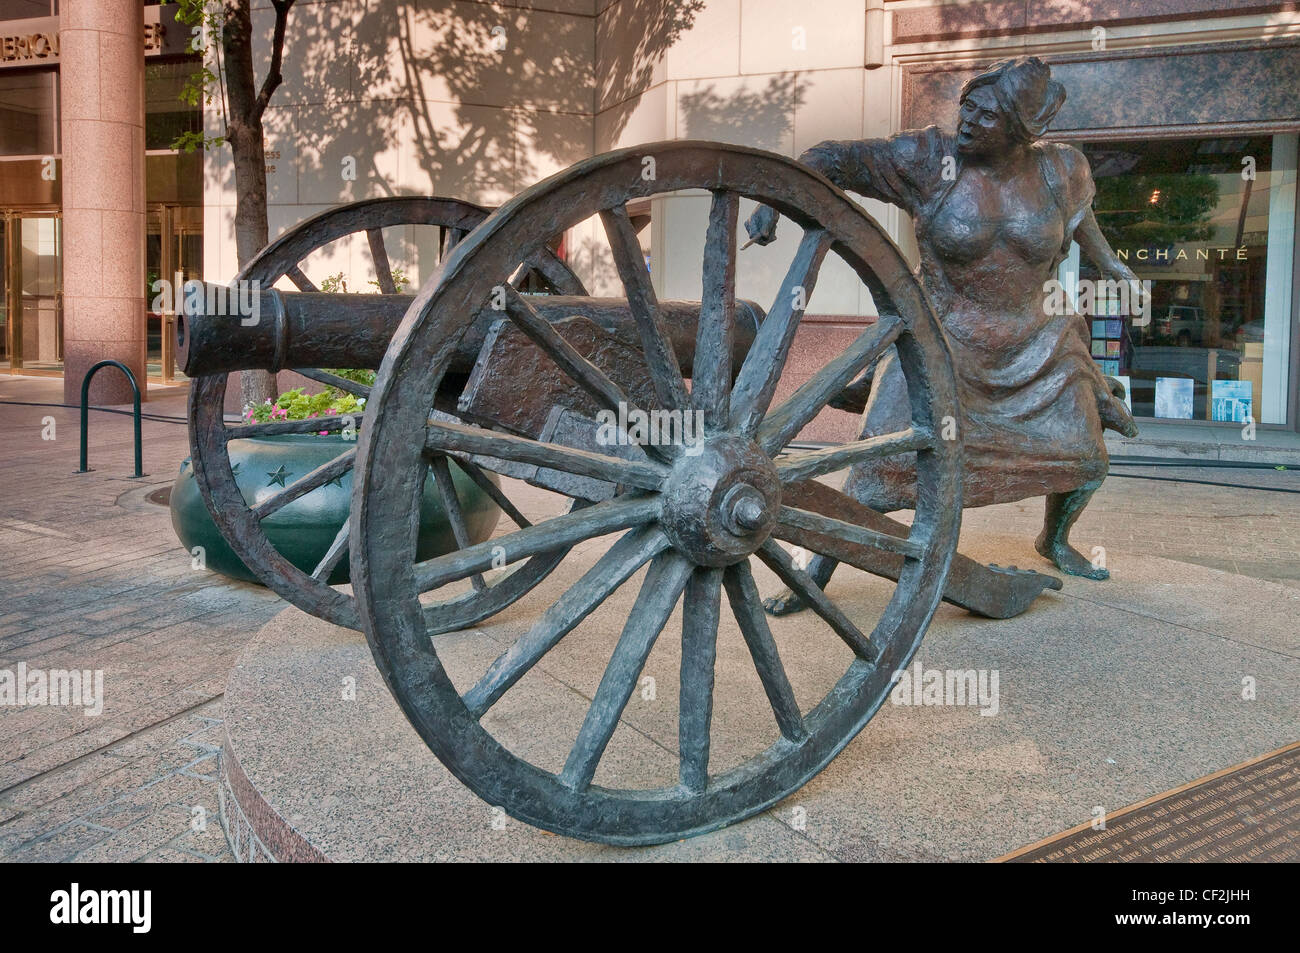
[(995, 210)]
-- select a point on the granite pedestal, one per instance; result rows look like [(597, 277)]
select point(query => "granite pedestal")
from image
[(1106, 694)]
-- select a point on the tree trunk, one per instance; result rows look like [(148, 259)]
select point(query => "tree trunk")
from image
[(245, 135)]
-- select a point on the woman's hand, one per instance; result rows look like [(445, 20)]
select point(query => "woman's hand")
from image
[(1118, 271), (761, 226)]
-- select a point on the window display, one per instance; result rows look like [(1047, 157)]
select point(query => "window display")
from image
[(1210, 223)]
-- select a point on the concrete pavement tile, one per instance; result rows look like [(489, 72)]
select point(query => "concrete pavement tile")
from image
[(132, 843), (61, 846), (166, 855)]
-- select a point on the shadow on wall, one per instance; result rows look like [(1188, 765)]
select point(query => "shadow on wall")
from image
[(459, 99), (761, 118), (624, 66)]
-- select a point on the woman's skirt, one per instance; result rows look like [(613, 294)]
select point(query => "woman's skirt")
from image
[(1028, 424)]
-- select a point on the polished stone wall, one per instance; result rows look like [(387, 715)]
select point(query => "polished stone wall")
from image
[(953, 21), (1237, 83)]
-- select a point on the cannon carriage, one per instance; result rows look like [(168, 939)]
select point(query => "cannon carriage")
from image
[(503, 383)]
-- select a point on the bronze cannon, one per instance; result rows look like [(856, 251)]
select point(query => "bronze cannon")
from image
[(509, 383)]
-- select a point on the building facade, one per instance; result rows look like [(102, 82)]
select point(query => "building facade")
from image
[(95, 201), (1186, 110)]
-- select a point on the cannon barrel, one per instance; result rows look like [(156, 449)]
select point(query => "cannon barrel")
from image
[(273, 330)]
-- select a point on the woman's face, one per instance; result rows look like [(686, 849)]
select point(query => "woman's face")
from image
[(982, 129)]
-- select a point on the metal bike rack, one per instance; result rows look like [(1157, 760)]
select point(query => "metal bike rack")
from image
[(85, 415)]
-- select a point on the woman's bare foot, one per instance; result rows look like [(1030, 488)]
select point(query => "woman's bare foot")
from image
[(820, 569), (784, 602), (1054, 541), (1068, 559)]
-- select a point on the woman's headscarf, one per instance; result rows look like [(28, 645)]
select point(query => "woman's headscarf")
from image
[(1025, 92)]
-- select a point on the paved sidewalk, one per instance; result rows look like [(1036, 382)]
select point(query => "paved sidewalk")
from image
[(1252, 529), (1179, 440), (92, 577)]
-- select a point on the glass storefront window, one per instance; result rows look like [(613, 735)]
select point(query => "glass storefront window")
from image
[(166, 116), (27, 113), (27, 9), (31, 298), (41, 301), (4, 292), (1211, 224)]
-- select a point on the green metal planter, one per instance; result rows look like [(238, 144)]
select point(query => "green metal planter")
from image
[(303, 530)]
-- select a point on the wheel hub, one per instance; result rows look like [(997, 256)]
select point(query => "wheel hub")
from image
[(721, 503)]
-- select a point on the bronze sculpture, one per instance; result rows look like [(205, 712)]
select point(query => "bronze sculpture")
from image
[(995, 210), (454, 362)]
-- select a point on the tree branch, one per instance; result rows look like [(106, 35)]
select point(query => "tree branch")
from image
[(273, 76)]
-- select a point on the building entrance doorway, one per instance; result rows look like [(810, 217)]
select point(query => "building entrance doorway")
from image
[(173, 253), (31, 292)]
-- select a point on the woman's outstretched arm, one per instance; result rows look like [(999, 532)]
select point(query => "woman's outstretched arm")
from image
[(889, 170), (1093, 244)]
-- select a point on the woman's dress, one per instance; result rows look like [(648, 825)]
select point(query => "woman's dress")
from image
[(1026, 379)]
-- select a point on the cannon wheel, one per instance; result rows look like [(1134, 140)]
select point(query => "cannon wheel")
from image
[(240, 524), (695, 519)]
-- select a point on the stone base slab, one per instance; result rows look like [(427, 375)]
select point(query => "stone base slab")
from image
[(1108, 693)]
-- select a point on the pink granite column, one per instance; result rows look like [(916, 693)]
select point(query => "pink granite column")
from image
[(102, 124)]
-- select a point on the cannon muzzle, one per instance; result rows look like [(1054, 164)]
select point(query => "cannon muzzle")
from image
[(222, 331)]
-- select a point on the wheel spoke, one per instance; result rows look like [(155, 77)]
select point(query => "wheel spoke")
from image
[(556, 275), (300, 281), (711, 372), (556, 533), (784, 423), (445, 436), (476, 474), (700, 614), (451, 506), (779, 561), (665, 372), (624, 558), (806, 464), (323, 474), (748, 610), (765, 361), (338, 548), (791, 521), (582, 371), (449, 238), (333, 380), (659, 593), (331, 424), (379, 255)]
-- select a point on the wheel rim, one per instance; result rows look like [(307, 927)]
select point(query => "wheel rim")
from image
[(240, 524), (387, 580)]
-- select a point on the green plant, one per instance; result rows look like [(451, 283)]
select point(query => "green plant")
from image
[(355, 374), (400, 281), (297, 405), (203, 85), (337, 283), (334, 284)]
